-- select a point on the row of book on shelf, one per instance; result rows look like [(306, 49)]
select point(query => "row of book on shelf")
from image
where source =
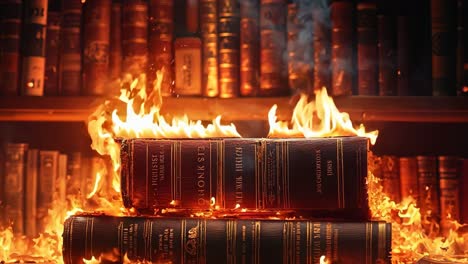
[(33, 181), (230, 48), (435, 183)]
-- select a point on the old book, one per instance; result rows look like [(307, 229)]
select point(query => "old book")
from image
[(70, 48), (47, 178), (342, 36), (209, 35), (449, 182), (30, 193), (249, 48), (96, 37), (386, 28), (10, 25), (74, 175), (247, 173), (134, 37), (195, 240), (409, 177), (428, 184), (273, 68), (391, 177), (51, 82), (61, 181), (444, 46), (403, 56), (461, 44), (161, 36), (321, 44), (13, 188), (229, 48), (115, 47), (33, 47), (367, 56)]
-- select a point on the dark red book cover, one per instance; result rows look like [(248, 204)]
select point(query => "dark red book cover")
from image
[(134, 37), (321, 44), (209, 35), (51, 85), (249, 48), (96, 38), (367, 54), (115, 46), (387, 47), (10, 39)]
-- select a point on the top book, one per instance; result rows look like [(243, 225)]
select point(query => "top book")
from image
[(318, 177)]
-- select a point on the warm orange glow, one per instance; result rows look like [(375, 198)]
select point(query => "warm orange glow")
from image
[(323, 260), (319, 118), (409, 240)]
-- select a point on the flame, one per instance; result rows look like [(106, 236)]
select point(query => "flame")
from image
[(319, 118), (410, 242), (323, 260)]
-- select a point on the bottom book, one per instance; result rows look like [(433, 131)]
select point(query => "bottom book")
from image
[(206, 240)]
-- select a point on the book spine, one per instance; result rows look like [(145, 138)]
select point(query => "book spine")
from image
[(386, 28), (391, 177), (195, 240), (48, 168), (409, 177), (428, 191), (250, 173), (61, 181), (403, 55), (342, 34), (273, 70), (249, 48), (115, 47), (96, 37), (321, 45), (33, 47), (51, 85), (70, 49), (10, 24), (13, 187), (444, 46), (209, 35), (461, 43), (161, 36), (188, 66), (30, 204), (74, 171), (367, 48), (229, 48), (449, 177), (134, 37)]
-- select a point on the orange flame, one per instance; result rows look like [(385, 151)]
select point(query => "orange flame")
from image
[(319, 118)]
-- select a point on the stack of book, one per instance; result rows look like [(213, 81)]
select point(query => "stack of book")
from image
[(227, 200)]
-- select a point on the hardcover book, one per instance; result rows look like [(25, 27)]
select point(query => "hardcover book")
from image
[(134, 37), (367, 48), (202, 240), (51, 85)]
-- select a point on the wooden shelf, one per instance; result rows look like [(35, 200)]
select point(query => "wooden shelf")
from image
[(360, 108)]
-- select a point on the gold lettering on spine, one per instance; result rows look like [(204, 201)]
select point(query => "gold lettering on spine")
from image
[(239, 169), (328, 240), (200, 177), (318, 171), (297, 243), (316, 241)]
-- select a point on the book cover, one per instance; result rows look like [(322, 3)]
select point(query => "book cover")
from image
[(33, 47), (70, 48), (428, 183), (10, 43), (209, 35), (444, 47), (115, 47), (249, 47), (409, 177), (30, 193), (197, 240), (342, 14), (321, 44), (449, 182), (247, 173), (161, 36), (47, 180), (51, 85), (13, 188), (386, 28), (134, 37), (403, 56), (367, 55), (391, 177), (229, 48), (96, 38), (273, 68)]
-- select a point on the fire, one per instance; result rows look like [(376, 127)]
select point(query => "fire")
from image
[(319, 118), (409, 239)]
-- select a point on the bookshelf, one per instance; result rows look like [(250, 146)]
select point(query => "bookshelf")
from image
[(361, 108)]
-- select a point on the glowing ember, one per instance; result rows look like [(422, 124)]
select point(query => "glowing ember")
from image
[(319, 118), (323, 260)]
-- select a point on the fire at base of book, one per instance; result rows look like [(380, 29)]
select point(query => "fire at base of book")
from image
[(178, 191)]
